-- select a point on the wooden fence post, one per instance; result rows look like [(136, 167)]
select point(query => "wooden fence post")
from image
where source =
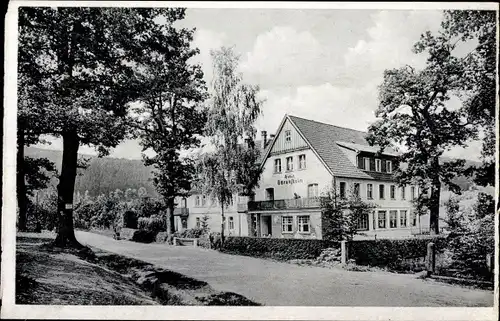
[(431, 259), (175, 241), (344, 252)]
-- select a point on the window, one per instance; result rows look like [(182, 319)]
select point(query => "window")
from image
[(197, 202), (184, 223), (198, 224), (203, 200), (270, 194), (289, 164), (288, 136), (378, 165), (312, 190), (342, 189), (389, 166), (277, 165), (393, 219), (361, 163), (303, 222), (402, 219), (381, 191), (393, 192), (231, 223), (413, 219), (403, 192), (381, 219), (356, 189), (367, 163), (287, 224), (362, 223), (369, 191), (412, 193), (302, 161)]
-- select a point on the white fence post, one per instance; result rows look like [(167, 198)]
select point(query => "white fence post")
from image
[(344, 254), (195, 243), (175, 241)]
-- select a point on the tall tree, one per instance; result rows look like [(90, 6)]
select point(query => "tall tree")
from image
[(169, 117), (80, 60), (413, 112), (233, 108)]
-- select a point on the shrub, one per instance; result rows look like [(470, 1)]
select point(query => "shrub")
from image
[(144, 236), (392, 253), (154, 223), (281, 249), (192, 233)]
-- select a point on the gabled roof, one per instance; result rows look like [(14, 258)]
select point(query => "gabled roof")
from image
[(325, 139), (365, 148)]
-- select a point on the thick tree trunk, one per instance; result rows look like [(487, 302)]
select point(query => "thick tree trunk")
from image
[(170, 218), (435, 198), (22, 200), (65, 189)]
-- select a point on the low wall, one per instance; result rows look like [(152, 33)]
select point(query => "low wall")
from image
[(127, 233), (402, 254)]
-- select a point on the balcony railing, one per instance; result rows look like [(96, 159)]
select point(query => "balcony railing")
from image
[(284, 204), (182, 211), (242, 207)]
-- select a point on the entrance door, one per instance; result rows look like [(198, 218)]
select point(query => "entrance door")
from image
[(266, 226)]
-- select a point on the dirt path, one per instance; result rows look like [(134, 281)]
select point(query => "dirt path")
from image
[(282, 284)]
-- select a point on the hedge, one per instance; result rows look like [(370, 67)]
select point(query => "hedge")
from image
[(144, 236), (389, 253), (280, 249)]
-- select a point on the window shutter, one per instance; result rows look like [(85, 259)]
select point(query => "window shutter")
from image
[(384, 166), (372, 164)]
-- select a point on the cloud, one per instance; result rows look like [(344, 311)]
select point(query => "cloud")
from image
[(284, 56), (342, 106), (390, 42)]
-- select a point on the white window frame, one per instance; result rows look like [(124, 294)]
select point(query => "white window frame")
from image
[(344, 190), (403, 214), (230, 223), (392, 192), (369, 191), (378, 165), (413, 192), (314, 189), (413, 219), (197, 201), (301, 224), (289, 164), (203, 200), (393, 217), (357, 191), (403, 192), (388, 166), (288, 136), (302, 161), (367, 163), (277, 165), (381, 196), (384, 220), (198, 222), (362, 223), (288, 223)]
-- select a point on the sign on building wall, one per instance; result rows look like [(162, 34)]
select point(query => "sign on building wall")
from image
[(289, 179)]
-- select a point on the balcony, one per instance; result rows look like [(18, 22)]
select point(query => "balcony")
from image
[(284, 204), (181, 211), (242, 207)]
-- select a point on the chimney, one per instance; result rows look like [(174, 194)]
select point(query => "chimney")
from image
[(263, 134)]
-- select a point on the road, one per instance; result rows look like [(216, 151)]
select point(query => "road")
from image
[(282, 284)]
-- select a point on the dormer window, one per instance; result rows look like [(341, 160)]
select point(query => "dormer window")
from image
[(288, 136), (366, 160), (378, 165), (389, 166)]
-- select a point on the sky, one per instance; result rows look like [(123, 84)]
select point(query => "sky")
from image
[(320, 64)]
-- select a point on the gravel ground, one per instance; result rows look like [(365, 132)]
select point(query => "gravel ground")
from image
[(282, 284)]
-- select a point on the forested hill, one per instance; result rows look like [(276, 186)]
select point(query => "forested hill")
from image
[(103, 174), (108, 174)]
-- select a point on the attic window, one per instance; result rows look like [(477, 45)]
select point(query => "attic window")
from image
[(288, 136)]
